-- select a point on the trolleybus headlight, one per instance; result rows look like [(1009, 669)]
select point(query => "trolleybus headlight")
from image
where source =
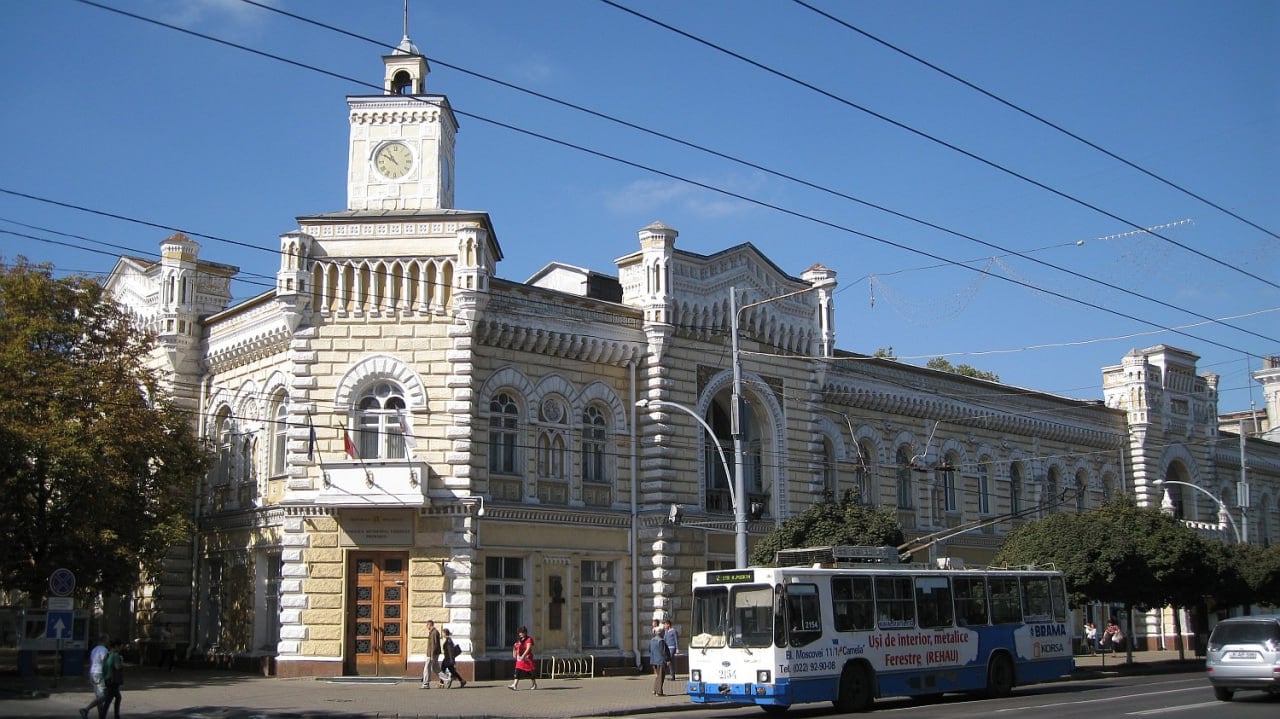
[(763, 676), (695, 675)]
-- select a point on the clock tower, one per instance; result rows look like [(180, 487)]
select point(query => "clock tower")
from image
[(401, 150)]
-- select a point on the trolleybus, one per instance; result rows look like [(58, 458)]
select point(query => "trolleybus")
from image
[(853, 624)]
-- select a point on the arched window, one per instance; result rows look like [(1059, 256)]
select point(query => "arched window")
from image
[(1049, 501), (862, 475), (717, 477), (1082, 483), (595, 442), (947, 481), (279, 434), (224, 430), (983, 472), (380, 422), (504, 426), (903, 460), (830, 477), (552, 439), (1015, 488)]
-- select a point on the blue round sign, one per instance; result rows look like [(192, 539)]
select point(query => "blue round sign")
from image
[(62, 582)]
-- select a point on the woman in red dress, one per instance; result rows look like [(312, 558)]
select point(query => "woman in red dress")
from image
[(522, 651)]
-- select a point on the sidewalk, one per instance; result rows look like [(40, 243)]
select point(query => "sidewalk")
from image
[(152, 692)]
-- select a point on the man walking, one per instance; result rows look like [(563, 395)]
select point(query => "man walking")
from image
[(673, 644), (432, 665), (96, 657)]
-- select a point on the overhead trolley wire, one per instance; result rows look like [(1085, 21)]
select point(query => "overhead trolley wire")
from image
[(652, 170), (1048, 123), (920, 133)]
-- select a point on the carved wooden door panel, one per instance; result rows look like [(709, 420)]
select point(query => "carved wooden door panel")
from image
[(377, 637)]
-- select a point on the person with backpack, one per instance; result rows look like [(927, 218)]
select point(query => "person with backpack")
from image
[(113, 677), (449, 667)]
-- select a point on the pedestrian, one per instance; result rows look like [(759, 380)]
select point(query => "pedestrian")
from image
[(432, 665), (1114, 635), (96, 657), (1091, 637), (656, 629), (673, 645), (449, 667), (658, 657), (522, 651), (167, 647), (113, 677)]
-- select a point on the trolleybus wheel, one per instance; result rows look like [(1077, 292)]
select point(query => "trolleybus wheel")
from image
[(1000, 676), (855, 689), (774, 710)]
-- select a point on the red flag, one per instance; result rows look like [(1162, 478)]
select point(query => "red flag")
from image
[(349, 446)]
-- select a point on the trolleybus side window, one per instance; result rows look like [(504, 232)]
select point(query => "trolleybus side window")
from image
[(933, 602), (1036, 604), (1006, 604), (1059, 590), (895, 602), (971, 600), (804, 614), (752, 617), (852, 603)]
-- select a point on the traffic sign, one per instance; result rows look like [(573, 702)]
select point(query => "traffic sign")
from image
[(62, 582), (58, 625), (61, 604)]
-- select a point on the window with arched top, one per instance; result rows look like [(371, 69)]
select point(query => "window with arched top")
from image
[(504, 427), (947, 479), (903, 461), (863, 477), (379, 421), (553, 444), (830, 477), (1015, 487), (1081, 486), (279, 433), (1049, 501), (594, 438), (983, 474)]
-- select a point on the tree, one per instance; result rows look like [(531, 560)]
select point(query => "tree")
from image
[(1118, 553), (942, 364), (885, 353), (831, 523), (97, 467)]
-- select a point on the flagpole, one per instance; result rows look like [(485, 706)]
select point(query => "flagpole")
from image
[(410, 445), (352, 451), (312, 454)]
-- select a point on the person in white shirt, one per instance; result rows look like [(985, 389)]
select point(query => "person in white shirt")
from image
[(96, 656)]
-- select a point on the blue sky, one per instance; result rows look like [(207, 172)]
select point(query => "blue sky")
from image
[(126, 118)]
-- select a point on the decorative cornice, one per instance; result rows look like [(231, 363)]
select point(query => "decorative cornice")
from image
[(505, 333)]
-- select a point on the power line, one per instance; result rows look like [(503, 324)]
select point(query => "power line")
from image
[(767, 170), (920, 133), (1017, 108), (637, 165)]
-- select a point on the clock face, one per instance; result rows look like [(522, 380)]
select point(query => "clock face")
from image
[(393, 160)]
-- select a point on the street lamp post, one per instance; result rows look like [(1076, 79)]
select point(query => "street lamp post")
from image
[(1221, 505), (735, 413)]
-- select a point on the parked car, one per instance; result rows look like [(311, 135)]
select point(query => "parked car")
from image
[(1244, 653)]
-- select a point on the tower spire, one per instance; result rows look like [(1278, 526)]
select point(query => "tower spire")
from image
[(406, 20)]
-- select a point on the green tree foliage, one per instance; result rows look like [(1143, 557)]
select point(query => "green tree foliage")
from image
[(885, 353), (97, 468), (941, 363), (831, 523), (1120, 553)]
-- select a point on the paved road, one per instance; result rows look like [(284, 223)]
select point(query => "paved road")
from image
[(153, 694)]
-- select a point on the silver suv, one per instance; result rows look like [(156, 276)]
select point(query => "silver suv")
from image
[(1244, 653)]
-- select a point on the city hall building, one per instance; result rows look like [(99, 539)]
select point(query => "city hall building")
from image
[(402, 434)]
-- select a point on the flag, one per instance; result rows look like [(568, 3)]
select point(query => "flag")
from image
[(349, 446), (311, 439)]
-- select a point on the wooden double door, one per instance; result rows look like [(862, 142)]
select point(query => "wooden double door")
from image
[(377, 635)]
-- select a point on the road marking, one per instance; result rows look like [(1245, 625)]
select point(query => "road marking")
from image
[(1055, 705), (1174, 709)]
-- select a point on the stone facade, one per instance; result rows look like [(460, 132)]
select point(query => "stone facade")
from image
[(500, 472)]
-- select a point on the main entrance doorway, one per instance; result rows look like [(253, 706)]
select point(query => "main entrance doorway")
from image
[(377, 641)]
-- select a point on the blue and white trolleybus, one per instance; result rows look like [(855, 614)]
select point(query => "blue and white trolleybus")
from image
[(853, 624)]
